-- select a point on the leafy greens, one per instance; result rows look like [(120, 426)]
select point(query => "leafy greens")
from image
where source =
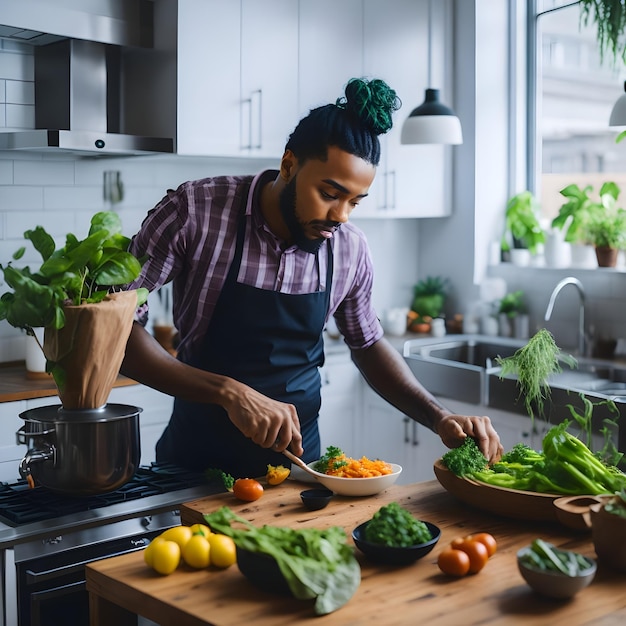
[(315, 563)]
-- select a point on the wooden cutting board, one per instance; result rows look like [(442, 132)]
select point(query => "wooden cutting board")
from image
[(416, 594)]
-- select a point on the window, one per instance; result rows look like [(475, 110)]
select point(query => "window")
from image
[(574, 97)]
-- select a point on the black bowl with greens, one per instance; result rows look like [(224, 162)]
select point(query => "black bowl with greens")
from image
[(394, 536)]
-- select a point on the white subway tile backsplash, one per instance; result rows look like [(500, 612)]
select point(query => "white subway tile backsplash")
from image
[(3, 91), (85, 199), (57, 223), (21, 198), (20, 92), (44, 173), (6, 172), (20, 116), (16, 66)]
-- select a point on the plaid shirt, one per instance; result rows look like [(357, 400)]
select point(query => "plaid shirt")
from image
[(190, 236)]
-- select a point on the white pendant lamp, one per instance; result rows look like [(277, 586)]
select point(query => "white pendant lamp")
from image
[(432, 121), (618, 114)]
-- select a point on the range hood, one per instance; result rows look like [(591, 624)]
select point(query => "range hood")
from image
[(84, 90)]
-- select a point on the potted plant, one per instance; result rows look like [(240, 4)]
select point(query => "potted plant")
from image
[(76, 296), (607, 231), (522, 230), (429, 297), (512, 315), (610, 19)]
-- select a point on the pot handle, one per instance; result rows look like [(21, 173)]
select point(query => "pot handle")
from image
[(579, 505), (36, 455)]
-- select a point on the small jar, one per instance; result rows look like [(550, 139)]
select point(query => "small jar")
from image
[(438, 327)]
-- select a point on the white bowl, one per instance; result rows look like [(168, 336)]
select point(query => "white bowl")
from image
[(358, 486)]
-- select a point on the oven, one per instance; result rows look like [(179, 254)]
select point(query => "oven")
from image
[(45, 552)]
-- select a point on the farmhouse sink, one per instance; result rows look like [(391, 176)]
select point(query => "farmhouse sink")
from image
[(464, 368), (457, 366)]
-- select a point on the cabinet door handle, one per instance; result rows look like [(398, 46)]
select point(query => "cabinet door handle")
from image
[(392, 174), (406, 421), (415, 441), (259, 108)]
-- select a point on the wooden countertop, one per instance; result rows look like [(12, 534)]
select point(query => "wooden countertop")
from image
[(15, 385), (418, 594)]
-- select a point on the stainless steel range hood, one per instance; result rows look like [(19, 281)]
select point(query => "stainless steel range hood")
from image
[(84, 88)]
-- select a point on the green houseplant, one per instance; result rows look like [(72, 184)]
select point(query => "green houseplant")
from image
[(609, 16), (429, 296), (76, 295), (522, 229)]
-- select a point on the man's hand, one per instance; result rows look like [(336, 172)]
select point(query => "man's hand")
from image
[(453, 429), (269, 423)]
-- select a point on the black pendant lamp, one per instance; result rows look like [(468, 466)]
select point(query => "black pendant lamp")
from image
[(431, 121)]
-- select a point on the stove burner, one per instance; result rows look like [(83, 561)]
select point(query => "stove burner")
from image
[(19, 504)]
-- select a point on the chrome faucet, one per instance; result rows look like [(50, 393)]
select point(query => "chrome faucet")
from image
[(570, 280)]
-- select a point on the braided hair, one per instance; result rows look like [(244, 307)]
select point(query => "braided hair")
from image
[(352, 124)]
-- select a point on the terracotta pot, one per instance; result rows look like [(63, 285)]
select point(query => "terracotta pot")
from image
[(607, 532), (607, 257)]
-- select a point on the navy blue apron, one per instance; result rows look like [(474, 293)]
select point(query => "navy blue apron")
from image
[(273, 343)]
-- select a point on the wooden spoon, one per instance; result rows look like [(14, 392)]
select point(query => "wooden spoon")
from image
[(300, 463)]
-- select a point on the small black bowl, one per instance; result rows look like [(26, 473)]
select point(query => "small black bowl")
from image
[(315, 499), (262, 571), (390, 555)]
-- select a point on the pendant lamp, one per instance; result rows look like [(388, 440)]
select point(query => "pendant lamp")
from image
[(618, 114), (432, 121)]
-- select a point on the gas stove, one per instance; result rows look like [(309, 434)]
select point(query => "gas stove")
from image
[(27, 513), (46, 538)]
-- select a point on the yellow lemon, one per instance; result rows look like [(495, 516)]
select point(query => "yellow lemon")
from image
[(165, 556), (196, 552), (148, 551), (200, 529), (180, 534), (223, 551)]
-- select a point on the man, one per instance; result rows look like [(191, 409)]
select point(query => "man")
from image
[(258, 265)]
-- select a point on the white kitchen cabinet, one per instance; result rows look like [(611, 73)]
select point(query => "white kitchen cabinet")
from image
[(236, 74), (330, 50), (11, 452), (390, 435), (411, 179), (339, 418)]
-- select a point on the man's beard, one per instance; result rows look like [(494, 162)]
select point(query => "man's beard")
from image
[(296, 230)]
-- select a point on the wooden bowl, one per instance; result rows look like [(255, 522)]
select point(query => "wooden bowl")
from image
[(513, 503), (573, 511)]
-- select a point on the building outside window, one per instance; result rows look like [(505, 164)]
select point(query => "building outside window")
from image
[(574, 96)]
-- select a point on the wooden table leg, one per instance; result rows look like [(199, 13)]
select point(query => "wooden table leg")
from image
[(105, 613)]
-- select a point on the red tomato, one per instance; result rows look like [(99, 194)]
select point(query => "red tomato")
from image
[(247, 489), (487, 540), (453, 562), (478, 554)]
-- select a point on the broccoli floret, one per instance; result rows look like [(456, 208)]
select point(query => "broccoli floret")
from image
[(521, 453), (465, 459)]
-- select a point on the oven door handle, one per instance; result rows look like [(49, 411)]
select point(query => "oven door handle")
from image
[(35, 577)]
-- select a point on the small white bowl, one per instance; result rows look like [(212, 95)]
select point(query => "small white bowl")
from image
[(358, 486), (555, 584)]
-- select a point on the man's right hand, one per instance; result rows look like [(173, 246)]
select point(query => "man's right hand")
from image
[(269, 423)]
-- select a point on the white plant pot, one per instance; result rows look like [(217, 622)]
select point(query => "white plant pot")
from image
[(584, 256), (558, 252), (35, 358), (520, 257)]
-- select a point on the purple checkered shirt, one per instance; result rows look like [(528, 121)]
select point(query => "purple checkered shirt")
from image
[(189, 238)]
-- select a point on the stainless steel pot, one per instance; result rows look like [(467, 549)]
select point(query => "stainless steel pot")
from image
[(80, 452)]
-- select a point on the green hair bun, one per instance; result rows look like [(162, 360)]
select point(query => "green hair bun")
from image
[(373, 102)]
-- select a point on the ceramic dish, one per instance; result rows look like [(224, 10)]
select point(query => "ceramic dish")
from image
[(358, 486), (500, 500), (394, 556), (316, 499), (555, 584)]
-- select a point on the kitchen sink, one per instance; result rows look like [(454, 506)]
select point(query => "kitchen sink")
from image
[(457, 366), (464, 368)]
